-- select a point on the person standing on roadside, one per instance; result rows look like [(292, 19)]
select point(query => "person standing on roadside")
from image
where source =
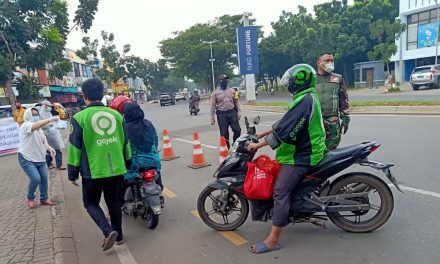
[(18, 113), (32, 155), (227, 110), (333, 97), (99, 151)]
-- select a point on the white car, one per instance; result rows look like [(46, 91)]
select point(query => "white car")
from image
[(6, 116), (180, 97)]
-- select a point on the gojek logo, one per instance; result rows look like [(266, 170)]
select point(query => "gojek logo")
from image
[(104, 123)]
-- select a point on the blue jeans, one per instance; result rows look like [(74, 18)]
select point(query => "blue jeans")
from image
[(37, 173)]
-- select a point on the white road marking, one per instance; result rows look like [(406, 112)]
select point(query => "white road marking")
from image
[(419, 191), (191, 142), (124, 254)]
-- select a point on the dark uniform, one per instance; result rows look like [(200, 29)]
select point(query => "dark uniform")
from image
[(333, 96)]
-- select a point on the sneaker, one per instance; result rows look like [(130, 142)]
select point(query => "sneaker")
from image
[(120, 241), (47, 202), (109, 241), (31, 204)]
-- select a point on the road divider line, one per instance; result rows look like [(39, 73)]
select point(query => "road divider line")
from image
[(168, 193), (419, 191), (124, 254), (232, 236), (190, 142)]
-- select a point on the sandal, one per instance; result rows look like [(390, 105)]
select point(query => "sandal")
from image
[(47, 202), (260, 248), (31, 204)]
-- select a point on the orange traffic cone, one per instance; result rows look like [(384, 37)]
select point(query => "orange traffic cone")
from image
[(167, 151), (198, 159), (223, 150)]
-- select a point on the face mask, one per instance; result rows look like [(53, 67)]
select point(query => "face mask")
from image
[(36, 118), (224, 84), (329, 67), (47, 109)]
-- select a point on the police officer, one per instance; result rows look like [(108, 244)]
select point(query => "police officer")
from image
[(333, 96), (227, 110)]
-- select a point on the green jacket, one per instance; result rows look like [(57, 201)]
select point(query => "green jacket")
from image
[(299, 136), (98, 147)]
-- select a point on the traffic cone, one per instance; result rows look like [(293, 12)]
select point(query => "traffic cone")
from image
[(167, 150), (224, 153), (198, 159)]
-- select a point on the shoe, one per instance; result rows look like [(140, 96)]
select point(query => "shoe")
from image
[(31, 204), (109, 241), (47, 202), (61, 168), (120, 241), (51, 167)]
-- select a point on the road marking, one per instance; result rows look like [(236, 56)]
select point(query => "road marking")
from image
[(124, 254), (168, 193), (232, 236), (419, 191), (190, 142)]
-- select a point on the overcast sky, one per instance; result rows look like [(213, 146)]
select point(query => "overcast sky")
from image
[(144, 23)]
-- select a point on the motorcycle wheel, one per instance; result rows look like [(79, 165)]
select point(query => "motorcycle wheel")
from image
[(377, 215), (150, 220), (216, 219)]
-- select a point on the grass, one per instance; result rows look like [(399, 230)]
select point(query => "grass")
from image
[(366, 103)]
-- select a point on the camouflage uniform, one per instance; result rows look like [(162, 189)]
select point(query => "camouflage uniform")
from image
[(333, 96)]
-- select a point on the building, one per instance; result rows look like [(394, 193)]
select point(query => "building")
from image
[(417, 45), (369, 74)]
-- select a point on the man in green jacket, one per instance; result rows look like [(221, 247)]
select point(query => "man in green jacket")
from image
[(299, 138), (99, 151)]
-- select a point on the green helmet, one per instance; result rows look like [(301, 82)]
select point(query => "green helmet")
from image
[(299, 77)]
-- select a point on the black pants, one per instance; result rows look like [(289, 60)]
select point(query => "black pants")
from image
[(228, 119), (58, 158), (288, 178), (92, 190)]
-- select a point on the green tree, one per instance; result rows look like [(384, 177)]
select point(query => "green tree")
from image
[(189, 54)]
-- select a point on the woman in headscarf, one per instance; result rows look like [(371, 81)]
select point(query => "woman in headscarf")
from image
[(53, 136), (32, 155), (142, 136)]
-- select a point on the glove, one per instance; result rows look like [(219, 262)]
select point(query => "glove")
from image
[(344, 124)]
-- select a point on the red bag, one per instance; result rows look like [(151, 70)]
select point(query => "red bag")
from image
[(260, 178)]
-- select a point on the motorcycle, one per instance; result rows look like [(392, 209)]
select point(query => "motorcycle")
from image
[(355, 201), (194, 108), (142, 198)]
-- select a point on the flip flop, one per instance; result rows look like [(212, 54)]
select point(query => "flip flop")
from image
[(262, 248)]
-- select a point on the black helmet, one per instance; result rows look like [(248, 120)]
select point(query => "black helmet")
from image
[(299, 77)]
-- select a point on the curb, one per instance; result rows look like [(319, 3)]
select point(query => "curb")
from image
[(364, 110)]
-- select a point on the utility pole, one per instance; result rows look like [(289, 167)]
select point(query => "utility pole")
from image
[(212, 62), (249, 79), (436, 46)]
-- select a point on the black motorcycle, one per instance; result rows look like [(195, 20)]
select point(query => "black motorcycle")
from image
[(355, 201), (142, 198)]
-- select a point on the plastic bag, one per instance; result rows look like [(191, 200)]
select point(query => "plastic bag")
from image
[(260, 178)]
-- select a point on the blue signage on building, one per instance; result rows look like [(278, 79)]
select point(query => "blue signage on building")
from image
[(247, 40), (427, 35)]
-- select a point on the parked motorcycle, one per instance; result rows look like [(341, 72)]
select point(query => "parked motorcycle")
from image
[(142, 198), (355, 201)]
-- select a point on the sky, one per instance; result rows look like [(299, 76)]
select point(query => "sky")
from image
[(144, 23)]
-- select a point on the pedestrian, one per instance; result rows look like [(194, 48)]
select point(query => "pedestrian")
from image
[(18, 113), (333, 96), (53, 136), (299, 138), (99, 151), (227, 110), (32, 155)]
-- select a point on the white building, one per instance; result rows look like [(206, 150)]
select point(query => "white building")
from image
[(417, 45)]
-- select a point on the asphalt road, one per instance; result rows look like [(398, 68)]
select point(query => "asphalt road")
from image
[(410, 236)]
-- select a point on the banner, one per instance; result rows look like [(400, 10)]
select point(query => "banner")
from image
[(9, 138), (427, 35), (247, 42)]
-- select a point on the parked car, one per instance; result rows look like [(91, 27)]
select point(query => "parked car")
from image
[(180, 97), (425, 76), (167, 99)]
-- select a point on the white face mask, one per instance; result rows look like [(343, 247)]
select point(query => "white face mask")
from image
[(329, 67)]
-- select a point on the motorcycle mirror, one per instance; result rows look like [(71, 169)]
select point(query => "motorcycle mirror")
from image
[(257, 120)]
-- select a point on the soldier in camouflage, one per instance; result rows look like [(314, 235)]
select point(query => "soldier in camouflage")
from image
[(333, 96)]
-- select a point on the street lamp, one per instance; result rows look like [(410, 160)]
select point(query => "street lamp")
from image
[(436, 46), (212, 62)]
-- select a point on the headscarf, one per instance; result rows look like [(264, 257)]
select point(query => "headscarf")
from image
[(27, 116), (140, 132)]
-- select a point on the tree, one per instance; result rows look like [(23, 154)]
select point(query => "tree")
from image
[(189, 55), (33, 34)]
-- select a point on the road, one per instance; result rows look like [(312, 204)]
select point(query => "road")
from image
[(410, 236)]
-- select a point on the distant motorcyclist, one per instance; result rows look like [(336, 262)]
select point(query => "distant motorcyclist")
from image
[(194, 101)]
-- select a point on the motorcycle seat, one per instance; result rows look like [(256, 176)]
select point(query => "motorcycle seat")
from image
[(340, 153)]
